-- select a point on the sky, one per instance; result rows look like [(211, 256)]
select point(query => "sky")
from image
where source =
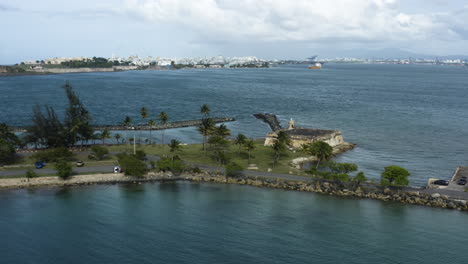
[(270, 29)]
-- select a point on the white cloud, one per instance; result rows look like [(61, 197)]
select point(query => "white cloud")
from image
[(299, 20)]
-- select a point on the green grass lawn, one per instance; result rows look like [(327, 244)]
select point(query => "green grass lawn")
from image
[(262, 156)]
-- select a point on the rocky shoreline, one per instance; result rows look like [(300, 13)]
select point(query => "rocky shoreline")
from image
[(349, 190)]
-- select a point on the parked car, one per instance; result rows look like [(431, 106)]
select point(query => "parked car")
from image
[(79, 163), (39, 164), (461, 181), (440, 182), (117, 169)]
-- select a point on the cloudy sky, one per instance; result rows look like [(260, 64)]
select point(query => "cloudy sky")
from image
[(282, 29)]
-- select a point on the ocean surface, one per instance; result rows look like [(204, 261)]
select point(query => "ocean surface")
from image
[(216, 223), (407, 115)]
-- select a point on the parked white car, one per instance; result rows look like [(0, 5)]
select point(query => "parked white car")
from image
[(117, 169)]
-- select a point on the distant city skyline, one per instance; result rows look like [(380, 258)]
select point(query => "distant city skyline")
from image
[(268, 29)]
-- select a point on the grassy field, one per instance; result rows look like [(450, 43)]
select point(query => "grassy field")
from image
[(262, 156)]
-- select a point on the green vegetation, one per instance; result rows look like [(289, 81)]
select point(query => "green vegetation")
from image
[(98, 152), (174, 165), (47, 130), (8, 144), (321, 150), (95, 62), (132, 165), (53, 155), (394, 176), (234, 169), (163, 119), (64, 169), (31, 174)]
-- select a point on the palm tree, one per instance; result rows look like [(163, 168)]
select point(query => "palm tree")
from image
[(222, 131), (249, 145), (127, 122), (175, 146), (206, 128), (205, 110), (105, 134), (240, 140), (319, 149), (163, 118), (144, 115), (117, 137), (96, 136), (151, 124)]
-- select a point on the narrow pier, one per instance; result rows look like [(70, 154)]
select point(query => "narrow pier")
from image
[(170, 125)]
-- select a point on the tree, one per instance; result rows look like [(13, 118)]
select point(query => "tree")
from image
[(240, 140), (336, 167), (7, 152), (77, 118), (30, 174), (64, 169), (222, 131), (163, 119), (249, 146), (205, 110), (278, 148), (144, 115), (360, 177), (151, 124), (175, 146), (233, 169), (205, 128), (319, 149), (117, 137), (47, 130), (99, 152), (8, 144), (105, 135), (126, 123), (218, 145), (132, 165), (395, 176), (284, 138)]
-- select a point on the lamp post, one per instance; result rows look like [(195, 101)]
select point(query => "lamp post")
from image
[(134, 141)]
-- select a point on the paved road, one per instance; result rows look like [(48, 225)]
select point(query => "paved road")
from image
[(50, 171)]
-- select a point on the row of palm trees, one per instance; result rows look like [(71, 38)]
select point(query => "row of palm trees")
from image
[(162, 118)]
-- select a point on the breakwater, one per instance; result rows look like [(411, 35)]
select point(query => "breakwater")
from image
[(270, 119), (170, 125), (353, 190), (349, 190)]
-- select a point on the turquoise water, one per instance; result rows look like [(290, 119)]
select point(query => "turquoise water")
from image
[(216, 223), (407, 115)]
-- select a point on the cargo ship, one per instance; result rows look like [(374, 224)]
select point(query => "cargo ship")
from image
[(314, 64)]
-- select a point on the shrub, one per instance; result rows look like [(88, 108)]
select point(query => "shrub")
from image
[(175, 166), (234, 170), (395, 176), (131, 165), (140, 154), (360, 177), (98, 152), (54, 155), (31, 174), (196, 169), (64, 169)]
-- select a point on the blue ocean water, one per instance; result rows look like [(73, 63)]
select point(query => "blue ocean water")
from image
[(216, 223), (407, 115)]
